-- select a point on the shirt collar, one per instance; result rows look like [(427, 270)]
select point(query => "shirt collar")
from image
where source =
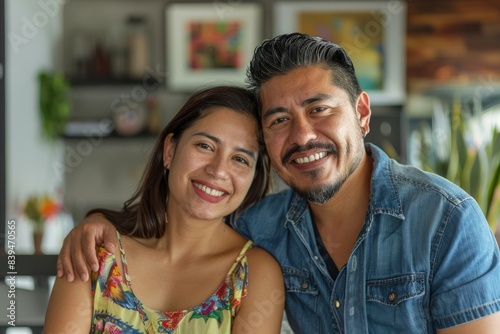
[(384, 197)]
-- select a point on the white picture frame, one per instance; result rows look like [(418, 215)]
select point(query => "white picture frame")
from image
[(189, 27), (382, 23)]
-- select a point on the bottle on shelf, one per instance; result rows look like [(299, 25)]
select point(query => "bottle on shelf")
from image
[(100, 62), (154, 116), (116, 46), (137, 46)]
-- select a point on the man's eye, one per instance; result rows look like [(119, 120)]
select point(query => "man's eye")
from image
[(319, 109), (278, 120)]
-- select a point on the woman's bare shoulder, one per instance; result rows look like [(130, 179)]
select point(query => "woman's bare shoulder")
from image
[(261, 260)]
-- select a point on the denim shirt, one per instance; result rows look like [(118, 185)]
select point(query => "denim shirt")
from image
[(425, 258)]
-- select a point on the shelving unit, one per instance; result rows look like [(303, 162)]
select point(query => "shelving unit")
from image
[(102, 82), (103, 168)]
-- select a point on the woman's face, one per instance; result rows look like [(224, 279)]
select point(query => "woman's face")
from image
[(212, 166)]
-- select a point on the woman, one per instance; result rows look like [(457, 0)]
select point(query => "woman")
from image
[(179, 267)]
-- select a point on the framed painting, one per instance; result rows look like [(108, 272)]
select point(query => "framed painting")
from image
[(372, 33), (210, 43)]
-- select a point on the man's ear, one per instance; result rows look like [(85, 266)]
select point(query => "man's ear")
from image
[(363, 111), (169, 145)]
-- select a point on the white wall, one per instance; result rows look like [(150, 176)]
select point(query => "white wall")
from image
[(33, 29)]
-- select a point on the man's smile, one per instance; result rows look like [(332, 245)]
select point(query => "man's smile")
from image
[(311, 158), (299, 155)]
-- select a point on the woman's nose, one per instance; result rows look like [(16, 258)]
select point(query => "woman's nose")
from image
[(217, 168)]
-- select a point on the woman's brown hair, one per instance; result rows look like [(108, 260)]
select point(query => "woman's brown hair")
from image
[(144, 214)]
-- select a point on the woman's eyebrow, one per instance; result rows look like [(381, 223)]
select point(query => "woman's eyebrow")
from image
[(209, 136), (217, 140)]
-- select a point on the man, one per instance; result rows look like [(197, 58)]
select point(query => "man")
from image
[(365, 244)]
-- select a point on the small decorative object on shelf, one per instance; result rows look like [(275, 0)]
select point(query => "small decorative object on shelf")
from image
[(38, 209), (129, 120)]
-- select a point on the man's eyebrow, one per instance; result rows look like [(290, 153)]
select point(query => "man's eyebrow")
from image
[(312, 99), (237, 148), (272, 111), (315, 98)]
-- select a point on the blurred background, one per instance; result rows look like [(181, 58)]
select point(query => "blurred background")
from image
[(86, 86)]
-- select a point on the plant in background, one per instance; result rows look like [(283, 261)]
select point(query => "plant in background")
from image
[(54, 103), (449, 149), (39, 208)]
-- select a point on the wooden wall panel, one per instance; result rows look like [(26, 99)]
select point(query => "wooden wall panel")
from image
[(453, 41)]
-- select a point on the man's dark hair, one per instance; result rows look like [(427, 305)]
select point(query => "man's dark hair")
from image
[(283, 53)]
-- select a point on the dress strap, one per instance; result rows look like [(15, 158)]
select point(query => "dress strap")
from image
[(249, 244), (124, 261)]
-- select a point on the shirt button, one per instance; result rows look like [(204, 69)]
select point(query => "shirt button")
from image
[(316, 258), (337, 303), (304, 285), (392, 297)]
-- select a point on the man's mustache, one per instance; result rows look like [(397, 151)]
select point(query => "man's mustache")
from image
[(329, 148)]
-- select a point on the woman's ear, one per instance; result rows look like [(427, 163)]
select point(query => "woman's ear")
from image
[(168, 150)]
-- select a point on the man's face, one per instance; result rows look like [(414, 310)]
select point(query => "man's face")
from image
[(312, 132)]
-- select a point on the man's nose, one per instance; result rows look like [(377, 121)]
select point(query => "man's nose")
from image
[(302, 131)]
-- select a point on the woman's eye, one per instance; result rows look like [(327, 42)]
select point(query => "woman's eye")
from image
[(204, 146), (242, 160)]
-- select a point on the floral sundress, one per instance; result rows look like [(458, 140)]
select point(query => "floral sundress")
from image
[(117, 310)]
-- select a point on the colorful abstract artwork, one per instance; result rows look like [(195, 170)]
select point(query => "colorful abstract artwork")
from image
[(215, 45), (357, 34), (210, 43)]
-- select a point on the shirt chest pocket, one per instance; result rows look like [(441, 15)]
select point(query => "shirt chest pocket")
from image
[(300, 281), (397, 303), (396, 290)]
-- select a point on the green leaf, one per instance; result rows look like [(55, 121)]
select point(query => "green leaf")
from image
[(495, 143), (493, 199), (474, 186), (53, 103)]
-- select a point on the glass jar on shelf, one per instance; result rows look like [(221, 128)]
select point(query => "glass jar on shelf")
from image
[(137, 46)]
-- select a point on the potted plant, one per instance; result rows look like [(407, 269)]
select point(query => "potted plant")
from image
[(38, 209), (448, 149), (54, 103)]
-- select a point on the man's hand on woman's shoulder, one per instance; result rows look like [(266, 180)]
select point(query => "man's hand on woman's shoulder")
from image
[(78, 253)]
